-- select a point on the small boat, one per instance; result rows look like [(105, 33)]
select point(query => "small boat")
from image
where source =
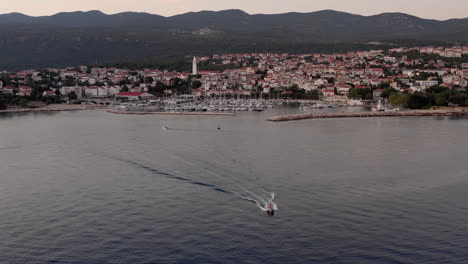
[(270, 210)]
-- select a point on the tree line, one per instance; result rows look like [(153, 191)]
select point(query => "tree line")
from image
[(435, 96)]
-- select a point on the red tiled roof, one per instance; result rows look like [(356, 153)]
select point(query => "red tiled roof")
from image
[(130, 94)]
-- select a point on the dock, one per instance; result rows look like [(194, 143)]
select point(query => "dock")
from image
[(171, 113), (370, 114)]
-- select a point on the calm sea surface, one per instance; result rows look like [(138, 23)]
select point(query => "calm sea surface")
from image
[(93, 187)]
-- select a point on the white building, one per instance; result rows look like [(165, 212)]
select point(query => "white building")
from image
[(91, 91), (426, 83), (448, 79), (68, 89), (113, 90)]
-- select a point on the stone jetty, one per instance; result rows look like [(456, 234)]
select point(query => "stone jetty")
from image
[(370, 114)]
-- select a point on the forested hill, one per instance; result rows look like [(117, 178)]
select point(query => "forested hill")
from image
[(67, 39)]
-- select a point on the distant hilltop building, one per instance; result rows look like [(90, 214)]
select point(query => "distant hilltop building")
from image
[(194, 66), (207, 31)]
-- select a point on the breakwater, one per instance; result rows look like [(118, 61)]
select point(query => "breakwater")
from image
[(370, 114)]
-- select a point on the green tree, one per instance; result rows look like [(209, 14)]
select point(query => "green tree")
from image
[(124, 82), (437, 89), (51, 99), (23, 102), (398, 99), (183, 89), (69, 81), (383, 85), (5, 78), (458, 99), (440, 100), (419, 101), (387, 92), (354, 94), (196, 84), (72, 95), (313, 95), (362, 93), (3, 102), (149, 80)]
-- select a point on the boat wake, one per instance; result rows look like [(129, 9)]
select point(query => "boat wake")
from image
[(262, 203), (261, 200), (190, 129), (9, 147)]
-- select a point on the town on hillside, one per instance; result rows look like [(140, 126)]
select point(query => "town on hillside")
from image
[(417, 77)]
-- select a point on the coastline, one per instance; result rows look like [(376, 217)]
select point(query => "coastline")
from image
[(53, 108), (438, 112)]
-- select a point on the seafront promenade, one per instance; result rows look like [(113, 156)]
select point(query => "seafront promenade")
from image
[(53, 108), (442, 112)]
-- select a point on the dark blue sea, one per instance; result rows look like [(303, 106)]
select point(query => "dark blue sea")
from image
[(92, 187)]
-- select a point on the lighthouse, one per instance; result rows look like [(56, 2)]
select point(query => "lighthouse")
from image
[(194, 66)]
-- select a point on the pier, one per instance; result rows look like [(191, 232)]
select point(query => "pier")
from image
[(370, 114)]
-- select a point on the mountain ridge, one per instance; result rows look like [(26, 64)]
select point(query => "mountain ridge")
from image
[(82, 37), (229, 10)]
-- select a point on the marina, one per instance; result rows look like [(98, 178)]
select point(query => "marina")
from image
[(190, 105), (171, 113)]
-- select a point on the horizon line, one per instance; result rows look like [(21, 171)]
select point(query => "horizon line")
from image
[(221, 10)]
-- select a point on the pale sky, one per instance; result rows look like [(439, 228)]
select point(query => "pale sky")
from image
[(436, 9)]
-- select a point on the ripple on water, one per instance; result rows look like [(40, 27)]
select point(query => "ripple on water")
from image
[(91, 187)]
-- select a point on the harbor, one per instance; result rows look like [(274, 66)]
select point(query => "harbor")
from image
[(171, 113), (416, 113), (192, 106)]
